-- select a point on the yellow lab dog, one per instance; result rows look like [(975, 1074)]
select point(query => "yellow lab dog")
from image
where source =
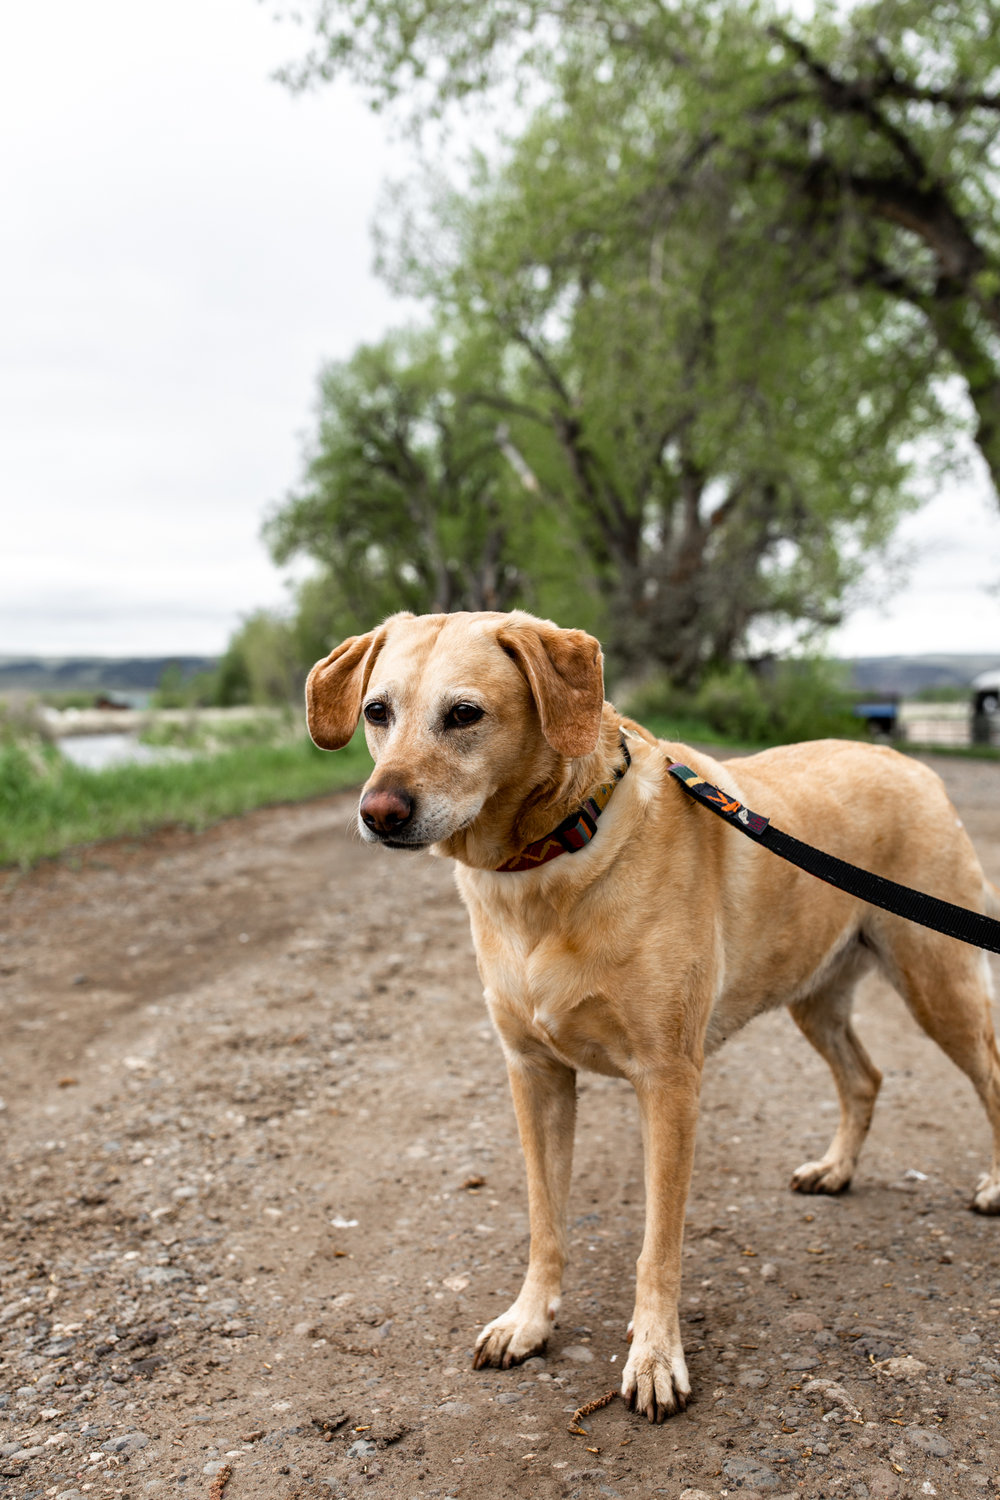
[(619, 927)]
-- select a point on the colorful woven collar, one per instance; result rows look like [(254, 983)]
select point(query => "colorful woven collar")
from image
[(574, 832)]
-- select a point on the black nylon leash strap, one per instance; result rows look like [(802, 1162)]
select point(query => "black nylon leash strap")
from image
[(955, 921)]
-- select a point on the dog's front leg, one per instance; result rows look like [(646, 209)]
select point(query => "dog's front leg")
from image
[(544, 1092), (655, 1378)]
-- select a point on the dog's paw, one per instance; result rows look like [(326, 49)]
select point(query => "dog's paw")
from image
[(655, 1379), (515, 1336), (987, 1196), (822, 1177)]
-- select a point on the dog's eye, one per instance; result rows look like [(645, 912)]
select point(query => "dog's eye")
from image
[(377, 712), (462, 714)]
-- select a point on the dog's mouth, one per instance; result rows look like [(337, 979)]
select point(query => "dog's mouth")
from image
[(393, 838)]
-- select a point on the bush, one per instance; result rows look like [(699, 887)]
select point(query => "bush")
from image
[(801, 699)]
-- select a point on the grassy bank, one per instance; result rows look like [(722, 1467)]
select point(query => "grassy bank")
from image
[(48, 805)]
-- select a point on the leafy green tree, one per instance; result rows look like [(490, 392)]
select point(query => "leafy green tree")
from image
[(686, 403), (866, 136), (261, 664), (412, 496)]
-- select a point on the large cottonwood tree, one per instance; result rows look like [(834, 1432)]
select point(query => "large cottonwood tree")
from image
[(866, 135)]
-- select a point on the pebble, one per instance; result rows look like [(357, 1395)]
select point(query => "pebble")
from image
[(361, 1449), (752, 1473), (214, 1465), (695, 1495), (579, 1354), (127, 1442), (7, 1450), (508, 1398), (929, 1441), (755, 1380), (903, 1366), (803, 1322)]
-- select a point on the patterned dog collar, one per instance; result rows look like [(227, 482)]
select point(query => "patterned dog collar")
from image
[(573, 832)]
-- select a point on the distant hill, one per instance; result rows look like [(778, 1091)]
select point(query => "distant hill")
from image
[(83, 674), (908, 674), (141, 674)]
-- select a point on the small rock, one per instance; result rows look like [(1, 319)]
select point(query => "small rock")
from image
[(695, 1495), (7, 1450), (799, 1361), (929, 1441), (508, 1398), (883, 1486), (579, 1354), (902, 1366), (127, 1442), (803, 1322), (768, 1272), (214, 1465), (454, 1408), (752, 1473), (754, 1380), (304, 1330), (361, 1449)]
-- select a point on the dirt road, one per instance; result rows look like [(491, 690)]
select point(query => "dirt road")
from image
[(262, 1184)]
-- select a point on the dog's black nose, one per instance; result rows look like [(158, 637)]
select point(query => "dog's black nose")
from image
[(386, 811)]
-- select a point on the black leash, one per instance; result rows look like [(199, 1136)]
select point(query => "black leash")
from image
[(955, 921)]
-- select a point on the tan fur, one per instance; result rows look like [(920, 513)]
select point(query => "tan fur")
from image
[(638, 955)]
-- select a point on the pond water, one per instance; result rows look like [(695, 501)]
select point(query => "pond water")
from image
[(95, 752)]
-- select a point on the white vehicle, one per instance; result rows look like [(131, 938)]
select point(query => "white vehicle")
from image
[(986, 692)]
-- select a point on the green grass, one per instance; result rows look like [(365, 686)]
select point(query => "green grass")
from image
[(689, 731), (48, 805)]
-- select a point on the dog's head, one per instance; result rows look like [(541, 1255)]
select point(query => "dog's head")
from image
[(457, 709)]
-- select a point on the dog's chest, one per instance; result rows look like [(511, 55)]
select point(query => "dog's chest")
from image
[(551, 993)]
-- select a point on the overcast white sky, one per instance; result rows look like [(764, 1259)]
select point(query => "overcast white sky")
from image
[(182, 244)]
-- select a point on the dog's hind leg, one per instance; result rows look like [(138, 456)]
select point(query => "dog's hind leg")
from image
[(947, 986), (824, 1017)]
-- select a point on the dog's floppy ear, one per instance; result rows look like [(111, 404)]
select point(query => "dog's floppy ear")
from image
[(564, 669), (336, 686)]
